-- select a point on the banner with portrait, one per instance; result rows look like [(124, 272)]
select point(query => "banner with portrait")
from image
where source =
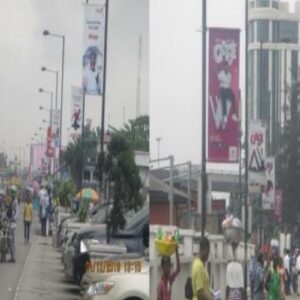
[(278, 205), (269, 190), (223, 95), (93, 49), (256, 152), (55, 128)]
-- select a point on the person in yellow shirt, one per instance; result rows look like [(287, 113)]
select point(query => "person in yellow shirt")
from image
[(27, 219), (200, 279)]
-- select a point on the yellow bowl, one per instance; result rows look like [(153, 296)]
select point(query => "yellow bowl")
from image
[(164, 248)]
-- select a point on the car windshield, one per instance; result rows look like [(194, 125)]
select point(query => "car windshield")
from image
[(137, 218)]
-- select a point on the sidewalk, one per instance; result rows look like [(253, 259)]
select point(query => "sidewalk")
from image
[(42, 276)]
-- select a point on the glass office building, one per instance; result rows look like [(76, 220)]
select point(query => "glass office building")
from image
[(274, 58)]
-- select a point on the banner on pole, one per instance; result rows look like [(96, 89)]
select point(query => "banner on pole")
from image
[(55, 128), (278, 205), (269, 188), (257, 152), (223, 95), (76, 109), (50, 149), (93, 51)]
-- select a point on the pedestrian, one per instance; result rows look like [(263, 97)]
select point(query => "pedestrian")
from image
[(252, 264), (234, 282), (258, 278), (167, 279), (200, 279), (298, 273), (287, 267), (272, 284), (12, 215), (294, 272), (27, 219), (283, 278), (43, 212)]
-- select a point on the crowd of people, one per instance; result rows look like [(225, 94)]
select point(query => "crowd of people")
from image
[(10, 208), (274, 277)]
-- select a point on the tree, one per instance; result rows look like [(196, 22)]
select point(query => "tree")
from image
[(136, 132), (288, 160), (122, 179), (66, 191), (72, 157)]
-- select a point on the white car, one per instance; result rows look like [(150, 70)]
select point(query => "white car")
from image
[(123, 286)]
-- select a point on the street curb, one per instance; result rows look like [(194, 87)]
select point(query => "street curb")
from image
[(19, 285)]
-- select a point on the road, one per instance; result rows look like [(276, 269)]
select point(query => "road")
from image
[(38, 272)]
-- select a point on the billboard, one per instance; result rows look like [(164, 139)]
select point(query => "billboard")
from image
[(278, 205), (55, 128), (257, 152), (93, 51), (76, 108), (269, 188), (223, 95)]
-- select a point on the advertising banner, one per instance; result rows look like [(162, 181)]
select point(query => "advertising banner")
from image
[(223, 95), (50, 149), (269, 188), (55, 128), (93, 51), (76, 109), (257, 152), (278, 205)]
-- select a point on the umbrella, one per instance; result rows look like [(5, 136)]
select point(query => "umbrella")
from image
[(88, 193)]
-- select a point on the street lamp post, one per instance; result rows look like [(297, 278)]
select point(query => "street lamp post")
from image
[(44, 69), (46, 33)]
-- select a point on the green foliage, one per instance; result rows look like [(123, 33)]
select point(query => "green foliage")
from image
[(122, 176), (66, 191), (83, 210), (288, 161), (72, 157), (136, 132)]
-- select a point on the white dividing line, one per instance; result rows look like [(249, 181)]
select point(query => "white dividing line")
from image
[(19, 285)]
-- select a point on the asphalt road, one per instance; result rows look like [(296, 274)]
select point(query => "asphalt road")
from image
[(10, 273)]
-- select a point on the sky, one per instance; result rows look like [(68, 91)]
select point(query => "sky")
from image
[(175, 73), (24, 50)]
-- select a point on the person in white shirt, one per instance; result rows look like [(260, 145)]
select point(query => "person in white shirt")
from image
[(91, 78), (287, 267), (226, 92), (298, 272)]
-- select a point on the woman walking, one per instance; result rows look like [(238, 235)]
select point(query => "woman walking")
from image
[(27, 219)]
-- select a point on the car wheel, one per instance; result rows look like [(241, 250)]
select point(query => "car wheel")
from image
[(133, 298)]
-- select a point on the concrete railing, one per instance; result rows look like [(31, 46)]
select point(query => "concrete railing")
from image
[(220, 255)]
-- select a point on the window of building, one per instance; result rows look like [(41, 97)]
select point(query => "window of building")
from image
[(252, 3), (275, 32), (275, 4), (294, 66), (262, 30), (251, 31), (288, 32), (263, 3)]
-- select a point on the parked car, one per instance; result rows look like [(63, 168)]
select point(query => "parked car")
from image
[(120, 287)]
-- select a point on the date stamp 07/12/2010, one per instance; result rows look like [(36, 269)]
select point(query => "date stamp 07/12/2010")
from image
[(113, 266)]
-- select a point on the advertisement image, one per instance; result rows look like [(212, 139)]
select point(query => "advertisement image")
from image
[(269, 190), (223, 97), (93, 52)]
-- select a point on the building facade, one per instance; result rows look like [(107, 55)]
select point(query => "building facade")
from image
[(274, 59)]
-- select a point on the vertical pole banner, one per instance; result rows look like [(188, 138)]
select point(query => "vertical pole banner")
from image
[(93, 52), (76, 111), (55, 128), (269, 190), (257, 152), (223, 95), (278, 205)]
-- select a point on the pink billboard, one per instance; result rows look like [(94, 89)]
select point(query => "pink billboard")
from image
[(278, 205), (223, 95)]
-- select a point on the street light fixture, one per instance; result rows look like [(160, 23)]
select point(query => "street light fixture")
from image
[(45, 69), (46, 33)]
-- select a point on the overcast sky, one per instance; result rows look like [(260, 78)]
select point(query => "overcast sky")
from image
[(175, 71), (24, 50)]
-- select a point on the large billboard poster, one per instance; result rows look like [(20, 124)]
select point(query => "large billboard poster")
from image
[(257, 152), (55, 128), (223, 95), (93, 49), (269, 190)]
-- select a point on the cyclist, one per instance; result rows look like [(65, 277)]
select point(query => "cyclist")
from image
[(12, 215)]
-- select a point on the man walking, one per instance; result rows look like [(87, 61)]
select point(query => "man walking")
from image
[(12, 215), (287, 267), (27, 219), (200, 279)]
